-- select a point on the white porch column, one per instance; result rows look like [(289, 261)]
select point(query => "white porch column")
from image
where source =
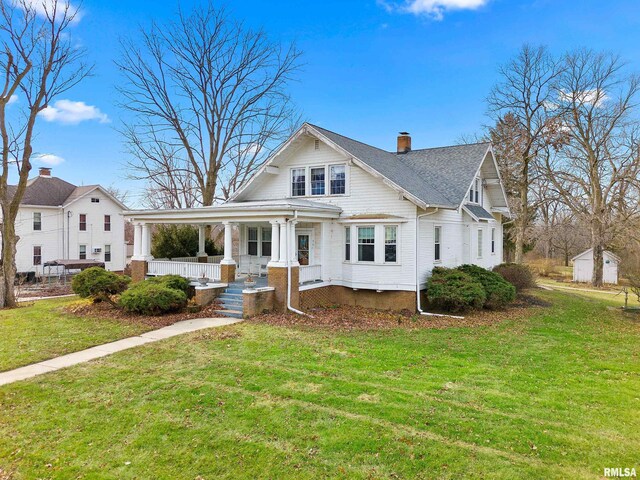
[(275, 241), (146, 242), (292, 244), (137, 241), (283, 242), (201, 236), (228, 244)]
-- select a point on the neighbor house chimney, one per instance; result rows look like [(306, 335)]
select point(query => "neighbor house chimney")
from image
[(404, 142), (44, 172)]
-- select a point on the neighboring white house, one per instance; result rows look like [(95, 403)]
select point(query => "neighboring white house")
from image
[(58, 220), (355, 218), (583, 267)]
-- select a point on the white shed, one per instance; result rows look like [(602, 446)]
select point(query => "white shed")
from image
[(583, 267)]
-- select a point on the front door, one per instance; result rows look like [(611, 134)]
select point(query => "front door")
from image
[(304, 248)]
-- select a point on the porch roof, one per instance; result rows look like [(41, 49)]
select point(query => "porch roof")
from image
[(257, 210)]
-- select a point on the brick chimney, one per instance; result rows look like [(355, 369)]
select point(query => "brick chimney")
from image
[(404, 142), (44, 172)]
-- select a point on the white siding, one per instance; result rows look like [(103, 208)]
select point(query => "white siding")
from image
[(54, 227), (367, 194)]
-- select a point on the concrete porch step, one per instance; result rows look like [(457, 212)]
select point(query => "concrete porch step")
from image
[(230, 313)]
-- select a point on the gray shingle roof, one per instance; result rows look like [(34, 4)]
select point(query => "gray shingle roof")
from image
[(478, 211), (51, 192), (46, 191), (437, 176)]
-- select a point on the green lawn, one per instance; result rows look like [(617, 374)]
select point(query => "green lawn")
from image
[(39, 331), (611, 294), (555, 395)]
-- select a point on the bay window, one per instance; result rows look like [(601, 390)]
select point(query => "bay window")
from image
[(347, 244), (366, 244), (390, 244)]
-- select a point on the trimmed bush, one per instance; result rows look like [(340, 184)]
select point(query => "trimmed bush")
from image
[(171, 281), (99, 284), (152, 298), (453, 290), (520, 276), (498, 291)]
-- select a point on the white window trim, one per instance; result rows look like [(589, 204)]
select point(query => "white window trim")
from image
[(384, 244), (493, 241), (379, 243), (437, 227), (350, 243), (480, 243), (104, 253), (327, 180), (86, 251), (33, 255)]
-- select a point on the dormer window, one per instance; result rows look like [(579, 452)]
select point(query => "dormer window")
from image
[(475, 191)]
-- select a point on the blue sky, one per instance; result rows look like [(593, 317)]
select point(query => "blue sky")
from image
[(371, 68)]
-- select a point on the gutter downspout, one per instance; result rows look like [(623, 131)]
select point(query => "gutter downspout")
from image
[(418, 303), (288, 235)]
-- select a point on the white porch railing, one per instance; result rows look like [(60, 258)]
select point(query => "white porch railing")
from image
[(184, 269), (210, 259), (310, 273)]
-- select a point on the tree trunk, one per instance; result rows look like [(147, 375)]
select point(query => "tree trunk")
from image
[(8, 271), (521, 227), (597, 243)]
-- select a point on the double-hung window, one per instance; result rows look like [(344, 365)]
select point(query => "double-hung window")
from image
[(390, 244), (252, 240), (437, 232), (82, 222), (107, 253), (317, 180), (347, 244), (474, 192), (82, 252), (338, 179), (37, 221), (366, 244), (480, 241), (107, 223), (37, 255), (266, 242), (298, 182)]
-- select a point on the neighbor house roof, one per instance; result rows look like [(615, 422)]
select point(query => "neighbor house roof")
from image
[(54, 192), (437, 176)]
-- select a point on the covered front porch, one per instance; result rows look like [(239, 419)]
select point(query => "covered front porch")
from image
[(274, 240)]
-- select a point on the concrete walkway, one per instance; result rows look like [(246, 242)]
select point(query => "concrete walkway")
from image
[(82, 356)]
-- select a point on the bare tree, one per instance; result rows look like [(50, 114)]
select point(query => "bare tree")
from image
[(209, 101), (596, 172), (519, 104), (38, 62)]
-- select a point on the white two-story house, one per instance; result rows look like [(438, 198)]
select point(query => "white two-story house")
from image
[(61, 221), (328, 219)]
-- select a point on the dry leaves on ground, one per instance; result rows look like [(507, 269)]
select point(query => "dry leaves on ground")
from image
[(360, 318)]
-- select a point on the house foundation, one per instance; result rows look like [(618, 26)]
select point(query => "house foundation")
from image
[(339, 295), (228, 273)]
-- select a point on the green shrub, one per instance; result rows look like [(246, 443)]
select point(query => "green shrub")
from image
[(454, 290), (99, 284), (520, 276), (498, 291), (171, 281), (171, 241), (152, 298)]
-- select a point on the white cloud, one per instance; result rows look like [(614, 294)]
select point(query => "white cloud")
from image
[(432, 8), (13, 99), (594, 97), (41, 7), (48, 159), (70, 112)]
